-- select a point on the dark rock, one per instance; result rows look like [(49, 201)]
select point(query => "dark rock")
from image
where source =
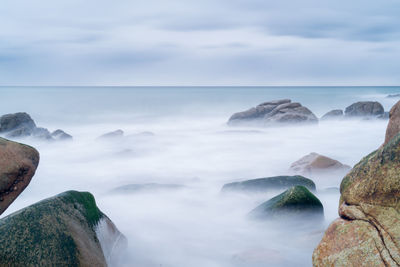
[(17, 124), (269, 184), (42, 133), (150, 187), (296, 202), (314, 163), (111, 135), (393, 96), (333, 114), (61, 135), (18, 164), (59, 231), (274, 112), (364, 109)]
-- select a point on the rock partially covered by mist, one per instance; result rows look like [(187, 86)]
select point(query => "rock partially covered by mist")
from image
[(20, 125), (393, 96), (365, 109), (315, 164), (275, 183), (111, 135), (296, 202), (64, 230), (393, 128), (368, 231), (61, 135), (18, 164), (333, 115), (274, 112), (146, 188)]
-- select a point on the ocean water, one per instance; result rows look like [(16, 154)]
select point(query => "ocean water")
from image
[(191, 146)]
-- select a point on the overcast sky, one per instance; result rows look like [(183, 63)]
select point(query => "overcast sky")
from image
[(203, 42)]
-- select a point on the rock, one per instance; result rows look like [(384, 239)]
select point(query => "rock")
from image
[(150, 187), (393, 96), (42, 133), (333, 114), (364, 109), (61, 135), (368, 232), (314, 163), (262, 185), (59, 231), (274, 112), (17, 124), (18, 164), (394, 123), (111, 135), (296, 202)]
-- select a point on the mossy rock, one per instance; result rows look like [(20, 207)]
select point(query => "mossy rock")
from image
[(297, 201), (375, 180), (275, 183), (58, 231)]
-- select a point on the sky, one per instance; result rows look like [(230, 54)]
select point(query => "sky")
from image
[(203, 42)]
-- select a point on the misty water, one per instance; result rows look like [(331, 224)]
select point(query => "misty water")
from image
[(191, 145)]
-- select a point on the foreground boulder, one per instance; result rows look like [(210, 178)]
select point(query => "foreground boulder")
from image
[(274, 112), (394, 123), (333, 114), (364, 109), (262, 185), (368, 230), (60, 231), (314, 164), (18, 164), (297, 202), (19, 125)]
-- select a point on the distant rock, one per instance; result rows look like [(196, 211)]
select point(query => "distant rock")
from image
[(333, 114), (149, 187), (314, 163), (262, 185), (61, 135), (112, 135), (274, 112), (393, 127), (393, 96), (64, 230), (18, 164), (19, 125), (364, 109), (295, 203)]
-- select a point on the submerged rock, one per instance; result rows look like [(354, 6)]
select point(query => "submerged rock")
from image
[(296, 202), (274, 112), (18, 164), (58, 231), (61, 135), (364, 109), (150, 187), (368, 232), (315, 163), (269, 184), (333, 114)]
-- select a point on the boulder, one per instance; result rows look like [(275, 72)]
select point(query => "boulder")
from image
[(315, 163), (364, 109), (368, 232), (42, 133), (333, 114), (60, 231), (61, 135), (150, 187), (274, 112), (297, 202), (262, 185), (394, 123), (18, 164), (17, 124)]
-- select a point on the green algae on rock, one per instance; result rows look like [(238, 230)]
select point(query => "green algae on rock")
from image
[(297, 201), (58, 231), (269, 184), (18, 163)]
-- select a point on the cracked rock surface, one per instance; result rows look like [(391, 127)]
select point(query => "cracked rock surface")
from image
[(368, 230)]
